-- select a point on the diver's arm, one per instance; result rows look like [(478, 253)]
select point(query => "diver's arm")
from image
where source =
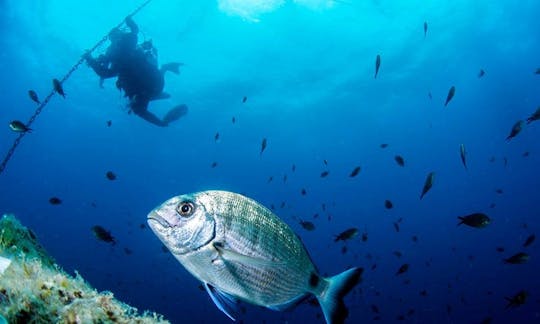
[(101, 68), (132, 25)]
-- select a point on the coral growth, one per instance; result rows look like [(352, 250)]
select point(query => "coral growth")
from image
[(33, 289)]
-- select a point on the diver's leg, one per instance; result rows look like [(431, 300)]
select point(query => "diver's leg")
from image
[(140, 108), (173, 67)]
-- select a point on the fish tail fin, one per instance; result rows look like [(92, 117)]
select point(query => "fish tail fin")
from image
[(331, 299), (461, 220)]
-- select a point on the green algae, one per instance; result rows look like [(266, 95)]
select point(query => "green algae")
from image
[(34, 289)]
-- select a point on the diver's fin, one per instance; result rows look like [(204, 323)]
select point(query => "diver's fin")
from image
[(224, 302), (233, 256), (4, 264), (173, 67), (175, 113), (331, 299)]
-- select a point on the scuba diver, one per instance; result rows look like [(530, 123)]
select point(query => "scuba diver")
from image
[(137, 72)]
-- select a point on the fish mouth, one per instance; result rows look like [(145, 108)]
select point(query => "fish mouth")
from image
[(154, 217)]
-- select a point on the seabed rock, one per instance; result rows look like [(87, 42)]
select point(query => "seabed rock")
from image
[(34, 289)]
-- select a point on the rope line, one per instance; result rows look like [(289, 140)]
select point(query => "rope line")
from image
[(43, 103)]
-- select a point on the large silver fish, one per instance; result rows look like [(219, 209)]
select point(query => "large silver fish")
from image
[(240, 250)]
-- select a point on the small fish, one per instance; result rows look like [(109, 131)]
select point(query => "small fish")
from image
[(284, 178), (399, 160), (398, 254), (481, 73), (388, 204), (110, 175), (384, 145), (263, 145), (487, 320), (233, 120), (463, 155), (355, 172), (517, 300), (324, 174), (396, 226), (525, 154), (450, 95), (271, 268), (344, 249), (109, 123), (477, 220), (505, 161), (534, 116), (33, 95), (529, 240), (346, 234), (430, 96), (55, 201), (307, 225), (293, 168), (244, 99), (499, 191), (518, 126), (518, 258), (427, 184), (423, 293), (414, 238), (103, 235), (425, 29), (404, 268), (364, 237), (270, 179), (214, 164), (500, 249), (19, 127), (216, 137), (58, 88), (377, 65), (127, 251), (375, 309), (325, 162), (303, 192)]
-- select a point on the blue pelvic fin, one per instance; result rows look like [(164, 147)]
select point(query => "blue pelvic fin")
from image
[(224, 302)]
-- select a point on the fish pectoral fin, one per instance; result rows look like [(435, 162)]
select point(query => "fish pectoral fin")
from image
[(233, 256), (224, 302)]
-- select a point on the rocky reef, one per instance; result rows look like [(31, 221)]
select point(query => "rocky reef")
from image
[(34, 289)]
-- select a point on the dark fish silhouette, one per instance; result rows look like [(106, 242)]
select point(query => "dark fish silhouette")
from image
[(529, 240), (534, 116), (364, 236), (303, 192), (396, 226), (234, 120), (55, 201), (463, 154), (58, 88), (399, 160), (404, 268), (346, 234), (270, 179), (307, 225), (477, 220), (216, 137), (33, 95), (518, 258), (324, 174), (414, 238), (518, 126), (481, 73), (293, 168), (263, 145), (425, 29), (109, 123), (103, 235), (110, 175), (430, 96), (450, 95), (213, 165), (19, 127), (377, 65), (427, 184), (244, 99), (384, 145), (355, 172), (388, 204), (517, 300), (325, 162)]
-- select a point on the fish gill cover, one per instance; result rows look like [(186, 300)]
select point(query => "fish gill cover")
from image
[(298, 75)]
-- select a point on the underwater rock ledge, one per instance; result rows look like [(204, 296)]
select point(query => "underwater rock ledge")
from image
[(34, 289)]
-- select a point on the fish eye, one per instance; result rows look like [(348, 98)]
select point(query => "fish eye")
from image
[(185, 209)]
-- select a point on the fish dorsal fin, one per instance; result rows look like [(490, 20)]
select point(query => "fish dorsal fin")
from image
[(224, 302), (233, 256)]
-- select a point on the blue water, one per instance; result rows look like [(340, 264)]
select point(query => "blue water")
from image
[(306, 68)]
